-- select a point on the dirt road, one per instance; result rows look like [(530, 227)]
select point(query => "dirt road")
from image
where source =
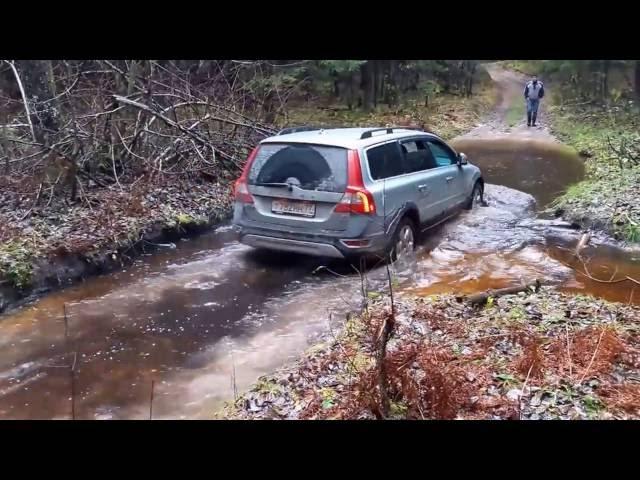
[(508, 120)]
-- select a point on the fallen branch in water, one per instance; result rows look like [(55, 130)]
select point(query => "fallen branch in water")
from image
[(482, 298), (588, 275), (550, 224), (584, 241)]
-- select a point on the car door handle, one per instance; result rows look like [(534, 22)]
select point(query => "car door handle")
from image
[(448, 179), (423, 188)]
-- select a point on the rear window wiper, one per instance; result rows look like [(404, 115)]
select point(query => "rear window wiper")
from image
[(274, 185)]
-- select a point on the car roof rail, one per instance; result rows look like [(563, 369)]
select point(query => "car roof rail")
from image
[(305, 128), (389, 130)]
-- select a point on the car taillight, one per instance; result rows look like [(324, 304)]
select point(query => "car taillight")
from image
[(242, 192), (241, 187), (356, 199)]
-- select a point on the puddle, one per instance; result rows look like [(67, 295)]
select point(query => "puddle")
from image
[(542, 169)]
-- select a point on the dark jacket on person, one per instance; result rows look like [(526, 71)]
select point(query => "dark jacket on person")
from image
[(534, 92)]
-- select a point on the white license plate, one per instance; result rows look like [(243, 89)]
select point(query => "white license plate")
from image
[(304, 209)]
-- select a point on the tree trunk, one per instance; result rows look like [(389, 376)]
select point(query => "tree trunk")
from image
[(4, 148), (37, 89), (391, 83), (131, 76), (376, 81), (605, 78), (383, 68), (367, 86), (472, 72)]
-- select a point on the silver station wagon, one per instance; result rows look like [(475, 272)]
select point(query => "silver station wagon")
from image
[(345, 192)]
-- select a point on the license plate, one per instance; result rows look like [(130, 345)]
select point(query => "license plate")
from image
[(304, 209)]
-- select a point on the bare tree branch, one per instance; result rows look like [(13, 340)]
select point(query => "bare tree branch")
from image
[(24, 97)]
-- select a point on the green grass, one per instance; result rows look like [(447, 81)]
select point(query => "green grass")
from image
[(589, 130), (631, 233), (267, 386), (517, 313), (528, 67), (16, 263), (592, 405), (576, 192)]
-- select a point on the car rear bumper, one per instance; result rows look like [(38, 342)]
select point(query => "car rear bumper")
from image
[(316, 245), (295, 246)]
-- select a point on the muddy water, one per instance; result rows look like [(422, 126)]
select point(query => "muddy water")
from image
[(211, 316), (190, 319), (506, 243), (542, 169)]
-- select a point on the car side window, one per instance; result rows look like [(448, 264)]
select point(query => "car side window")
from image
[(385, 161), (443, 156), (417, 156)]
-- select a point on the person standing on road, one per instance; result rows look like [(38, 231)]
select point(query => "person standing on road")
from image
[(533, 92)]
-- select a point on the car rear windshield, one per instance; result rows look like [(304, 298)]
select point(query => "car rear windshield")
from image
[(310, 167)]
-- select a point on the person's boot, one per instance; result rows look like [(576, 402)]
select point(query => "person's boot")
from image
[(533, 118), (528, 119)]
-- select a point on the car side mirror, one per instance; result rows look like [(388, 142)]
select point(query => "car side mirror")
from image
[(462, 159)]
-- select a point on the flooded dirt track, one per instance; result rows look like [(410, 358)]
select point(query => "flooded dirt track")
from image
[(183, 317), (540, 168), (212, 315), (508, 242)]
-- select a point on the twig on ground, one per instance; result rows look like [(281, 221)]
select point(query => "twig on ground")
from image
[(524, 387), (569, 351), (595, 352)]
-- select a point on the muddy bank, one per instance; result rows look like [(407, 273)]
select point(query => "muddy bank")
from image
[(607, 199), (543, 355), (66, 269), (57, 245)]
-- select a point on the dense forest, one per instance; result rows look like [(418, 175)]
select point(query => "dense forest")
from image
[(106, 122), (592, 80)]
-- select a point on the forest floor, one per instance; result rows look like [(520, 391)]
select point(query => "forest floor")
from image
[(543, 355)]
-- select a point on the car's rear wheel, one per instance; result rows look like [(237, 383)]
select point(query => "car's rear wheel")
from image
[(404, 240), (476, 197)]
